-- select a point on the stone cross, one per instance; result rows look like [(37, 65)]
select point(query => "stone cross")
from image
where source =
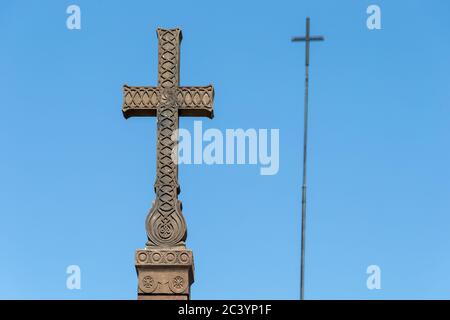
[(165, 224)]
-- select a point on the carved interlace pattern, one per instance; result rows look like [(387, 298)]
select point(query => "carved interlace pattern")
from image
[(165, 223), (147, 99)]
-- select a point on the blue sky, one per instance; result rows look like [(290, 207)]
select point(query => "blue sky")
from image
[(76, 178)]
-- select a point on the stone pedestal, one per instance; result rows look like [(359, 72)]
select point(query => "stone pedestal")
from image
[(164, 273)]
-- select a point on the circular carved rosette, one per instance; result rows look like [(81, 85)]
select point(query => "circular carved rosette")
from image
[(147, 284), (177, 284), (184, 258), (170, 257), (156, 257), (142, 257)]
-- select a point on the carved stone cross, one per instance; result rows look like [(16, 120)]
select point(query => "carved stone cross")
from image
[(165, 224)]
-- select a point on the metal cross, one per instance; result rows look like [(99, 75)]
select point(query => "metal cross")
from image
[(165, 223), (307, 39)]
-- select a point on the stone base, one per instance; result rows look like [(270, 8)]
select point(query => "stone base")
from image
[(164, 273)]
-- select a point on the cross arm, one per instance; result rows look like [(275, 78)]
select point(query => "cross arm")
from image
[(191, 101), (140, 101), (196, 101), (312, 38)]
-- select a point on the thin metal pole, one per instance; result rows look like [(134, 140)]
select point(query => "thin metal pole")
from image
[(305, 149), (307, 39)]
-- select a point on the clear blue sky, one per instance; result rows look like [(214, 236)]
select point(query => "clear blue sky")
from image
[(76, 178)]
